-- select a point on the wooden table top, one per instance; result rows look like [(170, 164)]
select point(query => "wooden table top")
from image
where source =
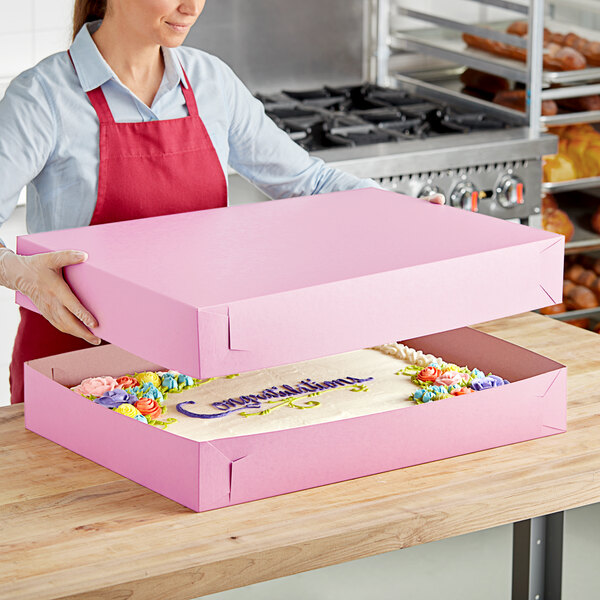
[(70, 528)]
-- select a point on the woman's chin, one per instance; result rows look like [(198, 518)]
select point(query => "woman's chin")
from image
[(172, 41)]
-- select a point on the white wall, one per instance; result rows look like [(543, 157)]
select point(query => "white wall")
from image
[(9, 312), (29, 31)]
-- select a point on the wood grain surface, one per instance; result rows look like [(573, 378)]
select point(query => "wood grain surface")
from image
[(72, 529)]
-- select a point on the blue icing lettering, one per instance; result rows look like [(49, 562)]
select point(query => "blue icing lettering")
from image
[(232, 405)]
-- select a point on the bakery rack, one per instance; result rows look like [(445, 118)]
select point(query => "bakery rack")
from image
[(444, 42), (587, 83), (441, 38)]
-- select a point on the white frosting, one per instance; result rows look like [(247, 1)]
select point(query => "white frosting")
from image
[(387, 391), (415, 357)]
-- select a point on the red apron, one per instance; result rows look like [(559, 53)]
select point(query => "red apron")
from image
[(146, 169)]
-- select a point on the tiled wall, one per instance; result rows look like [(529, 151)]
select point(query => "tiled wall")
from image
[(29, 31), (9, 313)]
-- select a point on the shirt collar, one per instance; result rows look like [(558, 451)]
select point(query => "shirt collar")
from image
[(93, 70)]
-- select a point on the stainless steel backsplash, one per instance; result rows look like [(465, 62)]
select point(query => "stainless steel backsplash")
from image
[(281, 44)]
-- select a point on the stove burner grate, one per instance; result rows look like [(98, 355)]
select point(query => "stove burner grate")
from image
[(357, 115)]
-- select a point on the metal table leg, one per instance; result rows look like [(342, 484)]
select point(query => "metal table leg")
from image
[(537, 558)]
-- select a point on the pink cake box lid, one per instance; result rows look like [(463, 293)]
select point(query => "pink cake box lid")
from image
[(227, 290)]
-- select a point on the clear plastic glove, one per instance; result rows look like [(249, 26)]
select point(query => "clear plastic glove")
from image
[(436, 198), (40, 278)]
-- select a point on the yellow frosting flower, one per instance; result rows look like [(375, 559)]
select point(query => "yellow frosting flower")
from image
[(149, 377), (128, 410)]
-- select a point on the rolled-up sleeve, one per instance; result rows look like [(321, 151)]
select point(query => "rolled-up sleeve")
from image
[(265, 155), (27, 137)]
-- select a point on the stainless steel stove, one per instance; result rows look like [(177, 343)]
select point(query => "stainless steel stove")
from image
[(416, 139), (345, 117)]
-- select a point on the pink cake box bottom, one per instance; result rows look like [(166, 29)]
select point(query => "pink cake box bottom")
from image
[(207, 475)]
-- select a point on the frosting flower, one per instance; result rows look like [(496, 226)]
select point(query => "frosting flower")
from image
[(169, 381), (127, 382), (462, 391), (149, 407), (128, 410), (149, 390), (429, 374), (451, 378), (428, 396), (96, 386), (148, 377), (433, 393), (486, 383), (186, 380), (116, 397)]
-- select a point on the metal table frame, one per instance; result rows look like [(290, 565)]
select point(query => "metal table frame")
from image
[(538, 558)]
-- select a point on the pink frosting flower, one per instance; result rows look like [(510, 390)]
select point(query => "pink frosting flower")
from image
[(96, 386), (126, 382), (451, 378), (429, 374)]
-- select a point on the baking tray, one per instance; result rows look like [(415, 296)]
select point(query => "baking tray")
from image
[(571, 118), (449, 45), (572, 185), (580, 206)]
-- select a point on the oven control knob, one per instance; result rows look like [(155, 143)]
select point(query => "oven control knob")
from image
[(464, 195), (428, 190), (509, 191)]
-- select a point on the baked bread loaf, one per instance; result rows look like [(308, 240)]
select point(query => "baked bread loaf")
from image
[(518, 28), (582, 103), (559, 168), (595, 286), (485, 82), (572, 40), (549, 202), (570, 59), (587, 262), (586, 278), (581, 297), (584, 322), (558, 221), (555, 309), (591, 51), (522, 28), (578, 154), (561, 52), (567, 286), (516, 99), (572, 273), (596, 227)]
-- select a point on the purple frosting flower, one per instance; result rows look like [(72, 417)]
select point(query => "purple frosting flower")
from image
[(485, 383), (115, 398)]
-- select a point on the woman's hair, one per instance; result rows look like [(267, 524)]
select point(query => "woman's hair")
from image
[(86, 11)]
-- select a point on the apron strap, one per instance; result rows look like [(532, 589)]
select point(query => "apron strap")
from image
[(98, 100), (188, 94)]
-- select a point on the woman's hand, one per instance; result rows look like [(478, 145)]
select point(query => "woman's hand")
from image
[(40, 278), (436, 198)]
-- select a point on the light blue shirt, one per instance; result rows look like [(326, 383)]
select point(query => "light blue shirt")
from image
[(49, 132)]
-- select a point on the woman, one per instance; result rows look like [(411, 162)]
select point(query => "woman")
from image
[(128, 125)]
